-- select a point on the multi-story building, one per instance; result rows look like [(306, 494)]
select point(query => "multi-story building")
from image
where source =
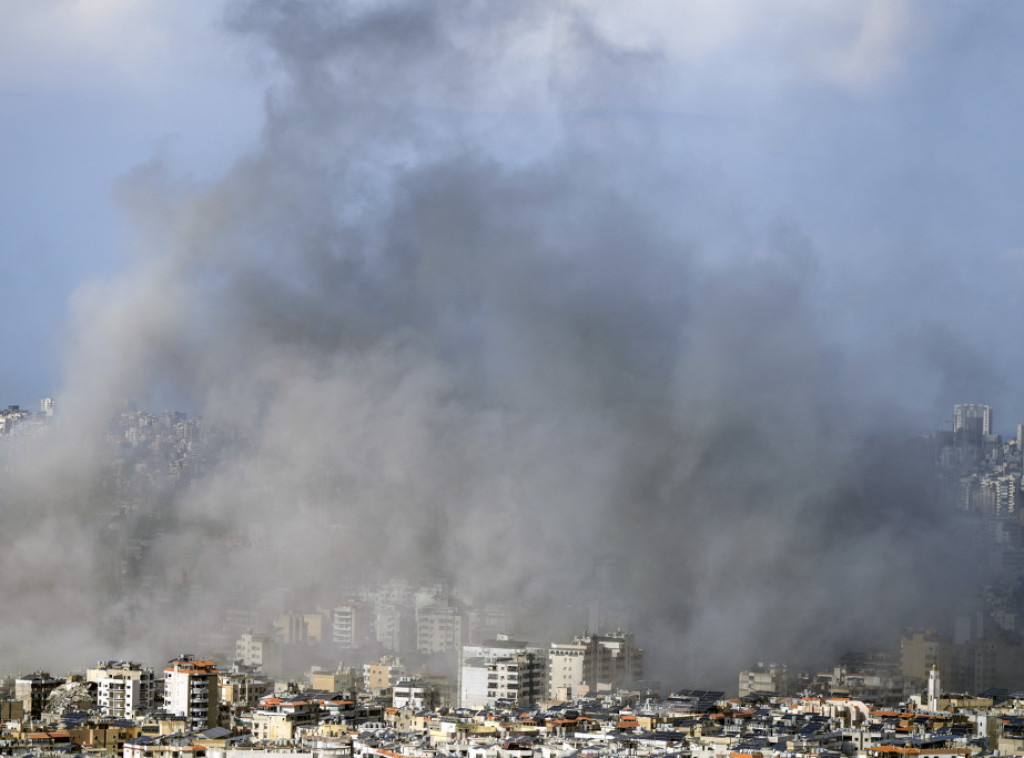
[(921, 650), (278, 719), (241, 687), (11, 710), (334, 681), (439, 628), (566, 671), (501, 669), (591, 663), (395, 626), (123, 689), (353, 625), (519, 680), (414, 693), (972, 422), (33, 689), (382, 675), (318, 630), (489, 622), (768, 679), (291, 629), (259, 650), (190, 690), (617, 660)]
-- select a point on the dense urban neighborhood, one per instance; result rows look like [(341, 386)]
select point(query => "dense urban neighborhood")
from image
[(405, 668)]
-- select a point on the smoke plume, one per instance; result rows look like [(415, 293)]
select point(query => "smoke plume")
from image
[(474, 310)]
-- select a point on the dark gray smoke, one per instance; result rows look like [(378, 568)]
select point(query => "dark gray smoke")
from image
[(474, 312)]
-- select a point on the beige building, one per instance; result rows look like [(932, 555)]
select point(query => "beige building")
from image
[(302, 628), (920, 650), (239, 689), (290, 629), (382, 675), (566, 676), (768, 679), (334, 681), (12, 710), (278, 719), (592, 663)]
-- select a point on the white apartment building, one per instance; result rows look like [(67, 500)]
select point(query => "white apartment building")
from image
[(259, 650), (190, 690), (123, 689), (414, 693), (352, 625), (501, 669)]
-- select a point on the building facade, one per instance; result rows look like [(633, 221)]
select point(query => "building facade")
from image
[(123, 689), (501, 670), (190, 690), (593, 663)]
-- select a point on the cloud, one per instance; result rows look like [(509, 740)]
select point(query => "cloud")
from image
[(109, 48)]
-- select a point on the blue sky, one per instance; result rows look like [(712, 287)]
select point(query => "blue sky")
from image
[(87, 92)]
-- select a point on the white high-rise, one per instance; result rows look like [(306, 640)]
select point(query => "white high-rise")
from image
[(972, 421), (501, 669), (190, 690), (123, 689)]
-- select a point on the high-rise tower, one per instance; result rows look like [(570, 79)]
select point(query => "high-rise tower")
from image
[(972, 422)]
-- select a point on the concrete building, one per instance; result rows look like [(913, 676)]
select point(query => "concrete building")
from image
[(352, 625), (241, 687), (190, 690), (11, 710), (617, 661), (259, 650), (413, 693), (921, 650), (33, 689), (768, 679), (440, 627), (335, 681), (123, 689), (489, 622), (318, 627), (278, 719), (567, 671), (501, 669), (593, 663), (395, 626), (382, 675), (972, 423), (291, 629)]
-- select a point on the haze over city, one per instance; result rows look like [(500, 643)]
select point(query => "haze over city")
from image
[(553, 301)]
